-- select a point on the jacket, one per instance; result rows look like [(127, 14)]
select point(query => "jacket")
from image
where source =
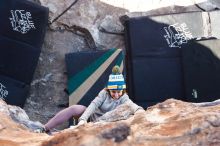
[(104, 103)]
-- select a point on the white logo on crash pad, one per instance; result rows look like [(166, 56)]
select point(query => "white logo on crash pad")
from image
[(177, 34), (21, 21)]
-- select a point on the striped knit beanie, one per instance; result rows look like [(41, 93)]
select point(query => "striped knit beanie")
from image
[(116, 80)]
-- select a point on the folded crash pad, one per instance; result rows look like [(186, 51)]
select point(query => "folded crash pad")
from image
[(23, 21), (153, 55), (201, 67), (22, 30), (154, 52), (88, 73)]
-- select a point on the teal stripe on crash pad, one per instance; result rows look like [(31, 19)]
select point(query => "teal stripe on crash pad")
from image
[(75, 81)]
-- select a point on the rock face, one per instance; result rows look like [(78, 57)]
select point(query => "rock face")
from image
[(171, 123)]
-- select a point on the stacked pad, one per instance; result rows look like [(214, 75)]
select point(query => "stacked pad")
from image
[(201, 70), (88, 73), (23, 26), (153, 54)]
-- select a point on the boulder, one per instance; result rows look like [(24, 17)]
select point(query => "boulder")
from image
[(172, 122)]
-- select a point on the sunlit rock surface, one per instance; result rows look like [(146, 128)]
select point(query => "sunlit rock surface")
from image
[(171, 123)]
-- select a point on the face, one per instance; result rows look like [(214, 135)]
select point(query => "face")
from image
[(115, 94)]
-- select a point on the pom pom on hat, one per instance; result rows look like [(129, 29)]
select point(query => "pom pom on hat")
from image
[(116, 80), (116, 70)]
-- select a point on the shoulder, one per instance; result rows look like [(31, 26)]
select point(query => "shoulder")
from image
[(125, 95), (103, 92), (124, 98)]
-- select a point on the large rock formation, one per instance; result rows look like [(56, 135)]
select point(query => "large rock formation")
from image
[(172, 122)]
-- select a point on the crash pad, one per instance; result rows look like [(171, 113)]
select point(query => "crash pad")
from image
[(88, 73), (22, 30)]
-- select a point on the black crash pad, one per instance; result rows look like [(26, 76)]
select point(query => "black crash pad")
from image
[(22, 30), (154, 53), (155, 76)]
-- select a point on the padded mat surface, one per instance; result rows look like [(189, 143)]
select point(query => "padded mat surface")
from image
[(12, 91), (201, 67), (18, 60)]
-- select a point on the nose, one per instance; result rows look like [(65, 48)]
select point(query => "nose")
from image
[(117, 94)]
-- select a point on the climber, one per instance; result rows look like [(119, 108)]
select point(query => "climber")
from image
[(108, 99)]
